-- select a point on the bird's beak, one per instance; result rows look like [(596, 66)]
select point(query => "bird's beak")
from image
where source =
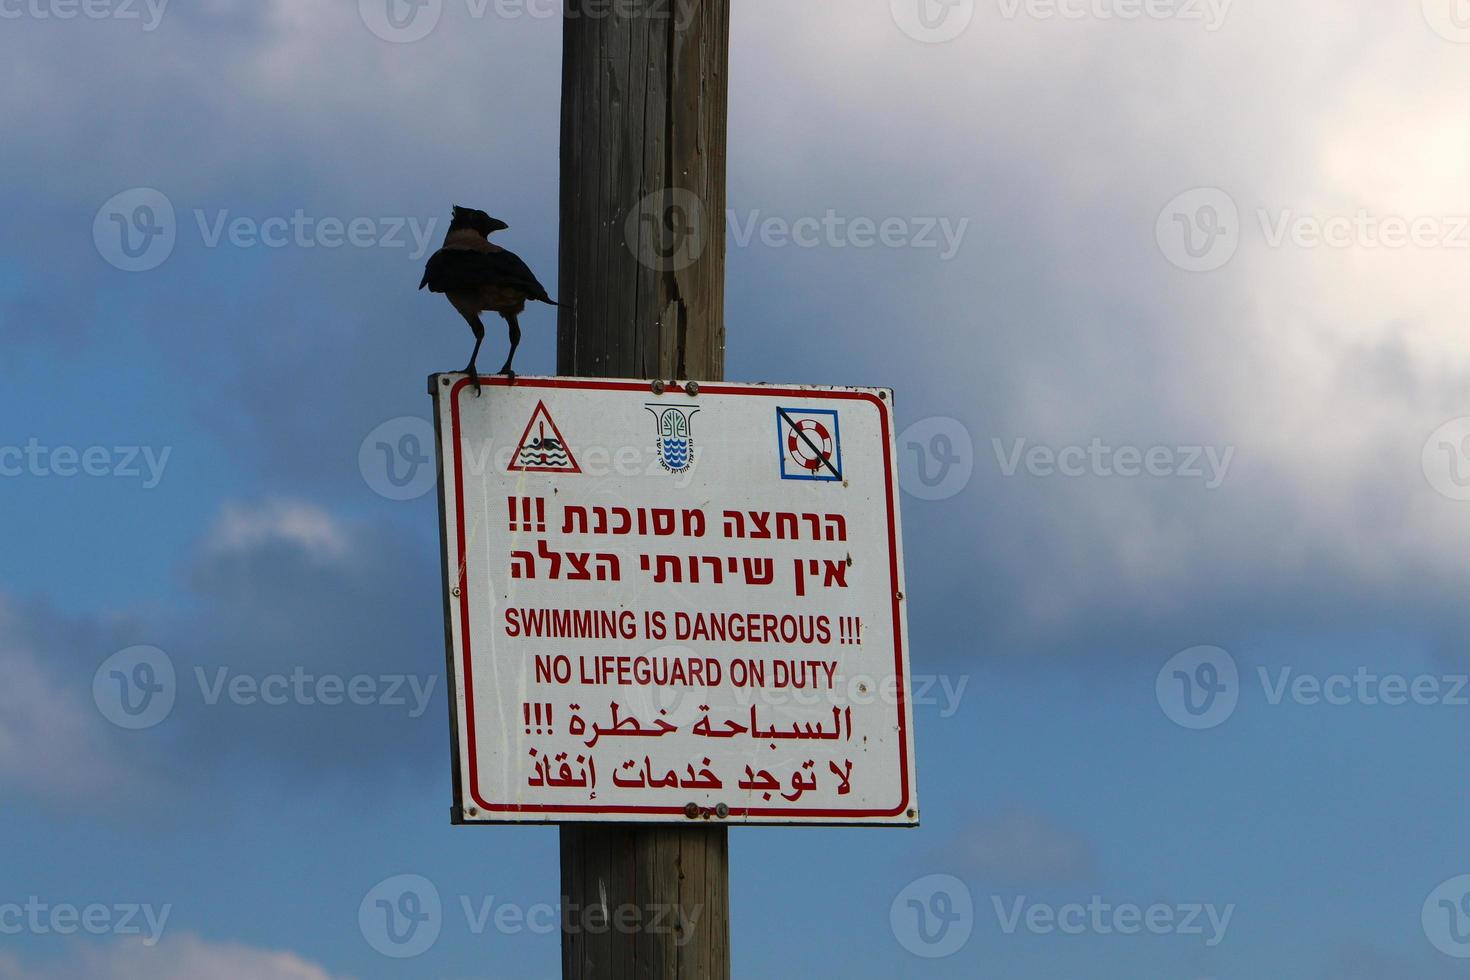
[(497, 225)]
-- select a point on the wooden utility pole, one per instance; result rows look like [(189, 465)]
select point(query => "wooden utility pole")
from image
[(642, 290)]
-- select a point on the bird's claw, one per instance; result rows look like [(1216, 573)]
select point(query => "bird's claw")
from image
[(509, 374), (474, 378)]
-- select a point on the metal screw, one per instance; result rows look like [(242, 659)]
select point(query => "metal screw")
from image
[(722, 811), (913, 814), (692, 388), (658, 387), (472, 811), (455, 593), (691, 810)]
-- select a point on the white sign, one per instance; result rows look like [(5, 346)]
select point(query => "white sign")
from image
[(674, 603)]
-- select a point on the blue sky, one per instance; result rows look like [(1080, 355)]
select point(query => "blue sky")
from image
[(1231, 234)]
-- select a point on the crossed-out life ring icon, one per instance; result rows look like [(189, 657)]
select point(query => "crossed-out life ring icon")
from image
[(800, 451)]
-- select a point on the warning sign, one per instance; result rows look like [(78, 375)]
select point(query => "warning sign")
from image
[(542, 448), (651, 618)]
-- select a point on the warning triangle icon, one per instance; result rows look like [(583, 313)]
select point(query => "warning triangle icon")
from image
[(542, 448)]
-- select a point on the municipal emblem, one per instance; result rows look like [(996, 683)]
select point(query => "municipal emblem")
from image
[(675, 442)]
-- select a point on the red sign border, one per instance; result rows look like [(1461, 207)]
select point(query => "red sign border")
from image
[(705, 389)]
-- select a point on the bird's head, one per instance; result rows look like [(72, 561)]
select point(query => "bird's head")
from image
[(475, 220)]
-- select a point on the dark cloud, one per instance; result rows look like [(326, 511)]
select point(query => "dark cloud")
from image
[(287, 604)]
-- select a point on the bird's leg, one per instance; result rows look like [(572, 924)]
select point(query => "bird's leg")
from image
[(515, 341), (470, 369)]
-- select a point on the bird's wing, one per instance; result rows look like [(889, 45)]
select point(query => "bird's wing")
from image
[(451, 270)]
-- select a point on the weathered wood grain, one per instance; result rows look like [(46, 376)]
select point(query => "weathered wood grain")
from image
[(644, 104)]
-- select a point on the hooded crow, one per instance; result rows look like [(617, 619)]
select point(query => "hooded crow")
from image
[(476, 276)]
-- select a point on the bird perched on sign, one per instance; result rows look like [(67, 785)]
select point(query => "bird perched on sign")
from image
[(476, 275)]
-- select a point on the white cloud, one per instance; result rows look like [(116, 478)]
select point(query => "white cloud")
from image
[(243, 528), (1325, 369), (246, 84), (181, 957)]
